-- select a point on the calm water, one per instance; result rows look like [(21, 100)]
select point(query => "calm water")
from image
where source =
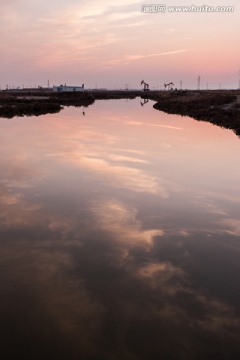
[(120, 236)]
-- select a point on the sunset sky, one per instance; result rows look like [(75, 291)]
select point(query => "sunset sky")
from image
[(111, 43)]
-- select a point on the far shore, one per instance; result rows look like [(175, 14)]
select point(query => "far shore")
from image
[(220, 107)]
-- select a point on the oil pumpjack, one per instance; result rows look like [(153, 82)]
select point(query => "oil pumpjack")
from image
[(145, 101), (145, 85), (169, 86)]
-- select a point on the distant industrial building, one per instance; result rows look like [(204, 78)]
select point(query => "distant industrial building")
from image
[(62, 88)]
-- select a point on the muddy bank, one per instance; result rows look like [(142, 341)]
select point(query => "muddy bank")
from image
[(28, 104), (33, 108), (220, 107)]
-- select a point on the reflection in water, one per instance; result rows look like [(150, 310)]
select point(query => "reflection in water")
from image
[(119, 236)]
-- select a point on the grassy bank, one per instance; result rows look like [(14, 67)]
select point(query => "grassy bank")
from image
[(218, 107), (27, 103), (39, 103)]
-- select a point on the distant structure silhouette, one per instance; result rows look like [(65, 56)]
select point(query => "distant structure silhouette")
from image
[(67, 88), (169, 86), (145, 85), (199, 83), (145, 101)]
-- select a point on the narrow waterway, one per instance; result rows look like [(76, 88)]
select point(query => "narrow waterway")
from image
[(119, 236)]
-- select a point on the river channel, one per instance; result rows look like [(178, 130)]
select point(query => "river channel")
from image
[(119, 236)]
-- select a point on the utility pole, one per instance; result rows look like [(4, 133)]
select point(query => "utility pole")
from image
[(181, 85), (199, 83), (48, 84)]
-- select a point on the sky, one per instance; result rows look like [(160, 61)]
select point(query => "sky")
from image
[(114, 44)]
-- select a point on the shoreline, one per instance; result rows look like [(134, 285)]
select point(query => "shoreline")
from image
[(27, 103), (220, 107)]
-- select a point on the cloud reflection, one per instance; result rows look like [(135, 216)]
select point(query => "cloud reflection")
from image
[(98, 260), (179, 296), (161, 274), (230, 226), (118, 176), (121, 221)]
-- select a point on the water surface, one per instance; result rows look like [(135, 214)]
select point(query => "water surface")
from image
[(120, 234)]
